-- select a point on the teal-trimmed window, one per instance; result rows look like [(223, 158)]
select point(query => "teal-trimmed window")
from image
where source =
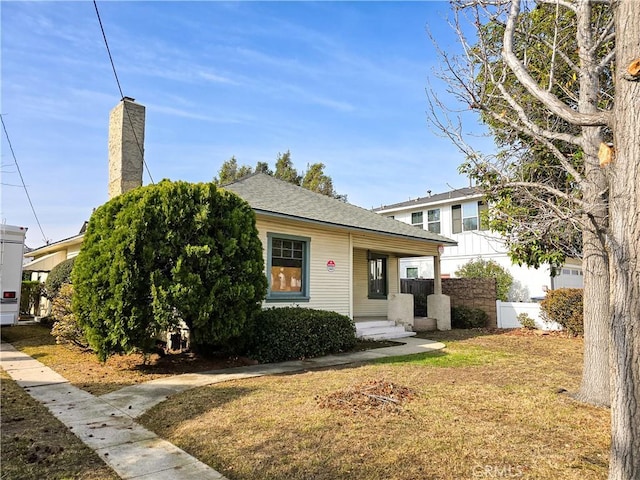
[(287, 268), (377, 275)]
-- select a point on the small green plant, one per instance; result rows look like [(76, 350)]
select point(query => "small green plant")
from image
[(466, 317), (292, 333), (564, 306), (526, 321), (66, 328)]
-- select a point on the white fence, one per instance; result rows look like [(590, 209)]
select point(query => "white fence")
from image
[(508, 315)]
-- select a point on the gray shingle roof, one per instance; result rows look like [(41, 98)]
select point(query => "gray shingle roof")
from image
[(438, 197), (270, 196)]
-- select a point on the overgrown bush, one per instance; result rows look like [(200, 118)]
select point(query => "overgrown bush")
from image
[(59, 275), (526, 321), (66, 327), (292, 333), (165, 252), (488, 269), (564, 306), (30, 293), (466, 317)]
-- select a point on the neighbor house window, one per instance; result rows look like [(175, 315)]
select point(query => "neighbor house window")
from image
[(467, 217), (416, 219), (377, 276), (433, 220), (412, 272), (288, 268)]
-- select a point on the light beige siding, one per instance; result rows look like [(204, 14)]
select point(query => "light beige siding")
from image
[(363, 306), (327, 290)]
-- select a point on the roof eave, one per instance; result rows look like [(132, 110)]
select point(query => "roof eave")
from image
[(439, 241)]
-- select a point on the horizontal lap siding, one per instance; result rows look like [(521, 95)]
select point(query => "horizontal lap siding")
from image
[(362, 305), (327, 290)]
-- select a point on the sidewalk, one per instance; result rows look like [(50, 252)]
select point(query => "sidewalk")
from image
[(107, 423)]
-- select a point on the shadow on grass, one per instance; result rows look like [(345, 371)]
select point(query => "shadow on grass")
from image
[(190, 405), (457, 334)]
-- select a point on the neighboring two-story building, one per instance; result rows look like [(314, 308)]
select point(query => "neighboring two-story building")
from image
[(457, 215)]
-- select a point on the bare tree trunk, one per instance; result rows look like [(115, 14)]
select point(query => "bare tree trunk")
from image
[(594, 387), (624, 252)]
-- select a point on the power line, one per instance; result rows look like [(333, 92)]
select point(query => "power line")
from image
[(115, 74), (44, 237)]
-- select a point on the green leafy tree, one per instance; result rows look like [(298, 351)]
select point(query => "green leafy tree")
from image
[(488, 269), (230, 172), (165, 252), (314, 178), (285, 169)]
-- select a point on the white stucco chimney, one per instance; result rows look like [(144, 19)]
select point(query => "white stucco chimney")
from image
[(126, 146)]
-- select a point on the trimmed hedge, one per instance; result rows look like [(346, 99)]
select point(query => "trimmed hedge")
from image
[(465, 317), (290, 333), (31, 291), (564, 306), (58, 276)]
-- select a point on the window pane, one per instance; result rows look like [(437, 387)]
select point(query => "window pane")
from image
[(287, 266), (434, 227), (469, 209), (416, 217), (433, 215), (456, 218), (412, 272), (286, 279), (470, 224)]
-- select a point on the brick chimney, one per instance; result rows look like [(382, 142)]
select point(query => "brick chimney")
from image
[(126, 146)]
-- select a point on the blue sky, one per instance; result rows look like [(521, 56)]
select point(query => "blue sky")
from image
[(342, 83)]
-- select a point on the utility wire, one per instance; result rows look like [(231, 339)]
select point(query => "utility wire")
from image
[(44, 237), (115, 74)]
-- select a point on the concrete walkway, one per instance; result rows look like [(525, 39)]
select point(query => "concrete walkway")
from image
[(107, 423)]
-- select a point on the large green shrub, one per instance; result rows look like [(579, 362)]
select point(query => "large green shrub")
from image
[(58, 276), (564, 306), (166, 252), (488, 269), (292, 332), (466, 317), (30, 296)]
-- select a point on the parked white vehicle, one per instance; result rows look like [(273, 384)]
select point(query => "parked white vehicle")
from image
[(11, 256)]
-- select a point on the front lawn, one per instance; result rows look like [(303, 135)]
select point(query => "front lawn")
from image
[(489, 406)]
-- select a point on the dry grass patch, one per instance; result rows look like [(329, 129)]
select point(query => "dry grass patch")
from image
[(489, 404), (35, 445), (84, 370)]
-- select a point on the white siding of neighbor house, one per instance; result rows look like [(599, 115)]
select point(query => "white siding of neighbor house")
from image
[(327, 290), (529, 282)]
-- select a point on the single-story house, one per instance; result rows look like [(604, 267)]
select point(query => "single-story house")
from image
[(328, 254), (319, 252)]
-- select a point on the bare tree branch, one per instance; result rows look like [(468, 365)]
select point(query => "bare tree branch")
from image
[(551, 101)]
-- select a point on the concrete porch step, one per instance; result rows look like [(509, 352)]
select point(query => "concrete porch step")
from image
[(381, 330)]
